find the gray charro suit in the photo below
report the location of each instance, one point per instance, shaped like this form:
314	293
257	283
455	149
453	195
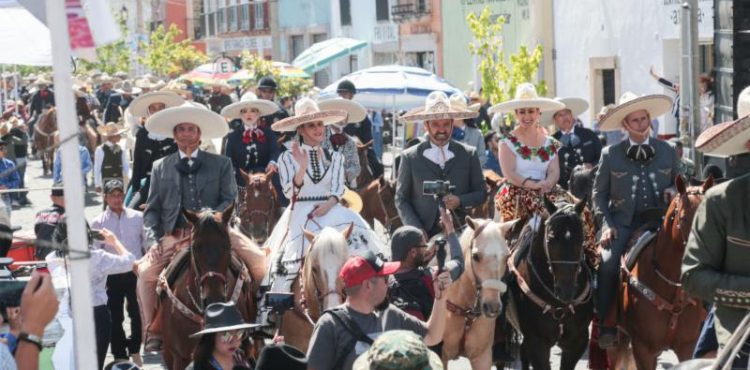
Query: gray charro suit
463	171
622	189
214	182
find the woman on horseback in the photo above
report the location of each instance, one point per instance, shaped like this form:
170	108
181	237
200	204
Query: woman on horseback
313	179
528	159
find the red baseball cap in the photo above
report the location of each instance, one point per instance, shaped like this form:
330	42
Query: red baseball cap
365	267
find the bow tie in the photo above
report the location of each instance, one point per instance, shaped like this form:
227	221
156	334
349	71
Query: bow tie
253	134
186	168
458	134
641	153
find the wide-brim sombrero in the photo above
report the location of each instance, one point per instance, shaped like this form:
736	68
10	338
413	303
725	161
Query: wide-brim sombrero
437	107
139	105
576	105
655	104
265	107
725	139
357	113
111	129
212	125
352	200
307	110
527	97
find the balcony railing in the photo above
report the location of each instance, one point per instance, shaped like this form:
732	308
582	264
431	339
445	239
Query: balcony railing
411	9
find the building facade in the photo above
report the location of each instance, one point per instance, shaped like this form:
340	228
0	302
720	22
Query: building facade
302	23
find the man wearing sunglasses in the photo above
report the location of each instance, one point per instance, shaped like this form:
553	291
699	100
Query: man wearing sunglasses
342	334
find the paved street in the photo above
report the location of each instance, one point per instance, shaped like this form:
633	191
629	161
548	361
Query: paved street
40	199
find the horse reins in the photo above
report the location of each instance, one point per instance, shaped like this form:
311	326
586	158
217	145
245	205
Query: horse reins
265	214
319	296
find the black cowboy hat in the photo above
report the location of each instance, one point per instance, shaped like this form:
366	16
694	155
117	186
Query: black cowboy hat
346	86
220	317
267	83
281	356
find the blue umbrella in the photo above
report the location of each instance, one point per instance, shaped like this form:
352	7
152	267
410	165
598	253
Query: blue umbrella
321	54
391	87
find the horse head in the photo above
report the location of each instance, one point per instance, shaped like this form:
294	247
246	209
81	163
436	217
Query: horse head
581	182
210	252
387	193
563	247
681	211
365	175
486	254
259	206
327	253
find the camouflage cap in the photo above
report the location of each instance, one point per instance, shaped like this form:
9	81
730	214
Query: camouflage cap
398	350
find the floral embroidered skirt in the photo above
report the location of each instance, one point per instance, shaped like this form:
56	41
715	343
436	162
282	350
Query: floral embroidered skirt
514	202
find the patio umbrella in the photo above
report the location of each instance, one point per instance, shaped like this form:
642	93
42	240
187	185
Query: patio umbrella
321	54
391	87
204	74
286	70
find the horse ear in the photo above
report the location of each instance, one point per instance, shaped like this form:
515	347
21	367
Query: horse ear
708	183
680	183
309	235
506	226
551	208
368	144
348	231
580	205
473	224
226	215
245	175
191	216
382	180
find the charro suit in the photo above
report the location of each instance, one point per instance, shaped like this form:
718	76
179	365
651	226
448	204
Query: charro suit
587	149
622	189
463	171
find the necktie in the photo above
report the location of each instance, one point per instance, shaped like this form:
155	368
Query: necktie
442	156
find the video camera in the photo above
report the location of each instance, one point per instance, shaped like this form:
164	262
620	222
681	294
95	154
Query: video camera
438	188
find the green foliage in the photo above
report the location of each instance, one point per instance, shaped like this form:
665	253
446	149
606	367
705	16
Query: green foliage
259	68
110	58
500	77
26	70
167	58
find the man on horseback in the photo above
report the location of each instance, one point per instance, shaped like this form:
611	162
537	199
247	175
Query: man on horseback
580	146
361	129
438	159
634	176
191	179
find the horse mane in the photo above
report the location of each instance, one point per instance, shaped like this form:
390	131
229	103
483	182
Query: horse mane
329	243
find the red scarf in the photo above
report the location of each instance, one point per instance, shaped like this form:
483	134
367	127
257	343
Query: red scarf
252	135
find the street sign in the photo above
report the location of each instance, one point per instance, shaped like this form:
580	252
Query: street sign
223	65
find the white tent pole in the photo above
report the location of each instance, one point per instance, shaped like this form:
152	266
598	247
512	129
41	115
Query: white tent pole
16	86
5	90
80	289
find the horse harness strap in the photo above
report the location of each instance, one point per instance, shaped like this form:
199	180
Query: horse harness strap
470	314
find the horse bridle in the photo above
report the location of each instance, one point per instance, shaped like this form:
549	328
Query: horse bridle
201	278
266	214
318	295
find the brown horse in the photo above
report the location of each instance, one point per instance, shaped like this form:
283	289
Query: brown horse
316	288
259	206
46	138
86	124
207	278
365	176
387	194
473	301
655	312
487	209
372	205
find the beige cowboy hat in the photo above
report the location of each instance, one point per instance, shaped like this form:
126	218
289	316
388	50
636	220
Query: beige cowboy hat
357	113
139	106
176	87
437	106
126	87
725	139
105	78
265	107
111	129
459	101
307	110
352	200
42	80
220	83
212	125
527	97
576	106
145	83
743	103
655	104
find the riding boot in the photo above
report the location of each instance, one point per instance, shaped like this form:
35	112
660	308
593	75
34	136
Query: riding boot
153	342
608	328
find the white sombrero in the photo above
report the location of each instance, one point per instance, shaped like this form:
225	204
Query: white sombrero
576	105
139	106
126	87
743	103
655	104
437	106
212	125
357	113
111	129
307	110
527	97
265	107
459	102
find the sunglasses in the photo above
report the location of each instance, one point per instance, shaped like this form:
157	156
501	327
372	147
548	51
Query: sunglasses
230	336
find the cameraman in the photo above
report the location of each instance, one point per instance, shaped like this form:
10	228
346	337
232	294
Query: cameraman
438	158
411	288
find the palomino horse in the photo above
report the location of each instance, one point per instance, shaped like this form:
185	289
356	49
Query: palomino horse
655	312
551	287
258	207
46	137
473	301
316	288
207	278
487	209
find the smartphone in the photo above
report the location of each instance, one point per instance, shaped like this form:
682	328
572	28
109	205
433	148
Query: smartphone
96	234
279	302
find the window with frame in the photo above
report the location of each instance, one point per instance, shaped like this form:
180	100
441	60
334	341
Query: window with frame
381	10
211	24
345	9
260	16
245	17
232	18
298	45
221	21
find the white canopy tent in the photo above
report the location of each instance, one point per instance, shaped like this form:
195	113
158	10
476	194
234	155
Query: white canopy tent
24	40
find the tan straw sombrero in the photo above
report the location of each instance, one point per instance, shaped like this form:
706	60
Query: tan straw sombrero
352	200
265	107
212	125
307	110
459	102
357	113
437	106
725	139
111	129
576	105
139	106
655	104
527	97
